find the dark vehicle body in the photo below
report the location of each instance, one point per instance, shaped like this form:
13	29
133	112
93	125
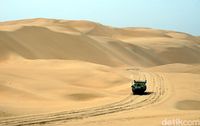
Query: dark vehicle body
139	87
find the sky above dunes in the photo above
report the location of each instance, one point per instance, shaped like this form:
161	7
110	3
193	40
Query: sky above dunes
178	15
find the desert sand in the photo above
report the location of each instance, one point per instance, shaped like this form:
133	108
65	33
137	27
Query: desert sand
72	73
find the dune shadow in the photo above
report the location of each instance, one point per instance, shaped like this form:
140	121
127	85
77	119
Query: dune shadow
188	105
83	96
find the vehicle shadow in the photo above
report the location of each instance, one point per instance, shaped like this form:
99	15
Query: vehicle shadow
145	93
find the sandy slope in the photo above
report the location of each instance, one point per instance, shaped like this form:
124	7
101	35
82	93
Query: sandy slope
79	72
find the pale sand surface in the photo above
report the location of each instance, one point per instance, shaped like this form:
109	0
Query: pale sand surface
72	73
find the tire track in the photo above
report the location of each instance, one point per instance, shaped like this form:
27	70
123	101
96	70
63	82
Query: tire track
128	103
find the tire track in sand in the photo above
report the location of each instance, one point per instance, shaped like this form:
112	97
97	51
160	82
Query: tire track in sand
156	82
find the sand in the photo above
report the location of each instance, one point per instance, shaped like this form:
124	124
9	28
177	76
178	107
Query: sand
65	72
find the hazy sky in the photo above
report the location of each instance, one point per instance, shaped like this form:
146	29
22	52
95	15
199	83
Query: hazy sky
179	15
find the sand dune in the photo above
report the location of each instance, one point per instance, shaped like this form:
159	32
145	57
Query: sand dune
38	42
177	68
41	43
65	72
